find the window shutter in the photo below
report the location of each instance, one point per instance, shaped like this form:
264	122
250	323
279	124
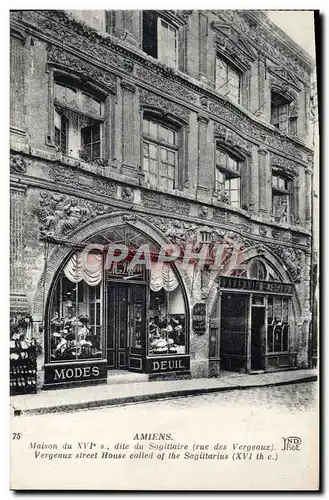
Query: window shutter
110	21
245	89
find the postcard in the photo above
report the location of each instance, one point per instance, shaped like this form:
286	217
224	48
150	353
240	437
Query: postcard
164	237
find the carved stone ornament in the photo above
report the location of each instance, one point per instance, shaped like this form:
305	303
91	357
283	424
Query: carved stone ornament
234	49
292	258
165	106
165	202
168	85
127	193
263	39
284	165
262	231
231	139
17	164
79	180
284	78
85	70
60	214
203	212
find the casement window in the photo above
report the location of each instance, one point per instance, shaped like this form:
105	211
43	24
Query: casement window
160	38
227	178
280	198
228	80
78	119
277	324
283	114
160	154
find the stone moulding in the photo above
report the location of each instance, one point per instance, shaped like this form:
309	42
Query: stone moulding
286	166
230	138
164	105
165	202
60	57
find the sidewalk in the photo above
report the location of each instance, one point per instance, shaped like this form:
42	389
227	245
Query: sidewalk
65	400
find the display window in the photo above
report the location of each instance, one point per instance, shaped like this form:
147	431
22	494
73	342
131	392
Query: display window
76	313
278	324
167	317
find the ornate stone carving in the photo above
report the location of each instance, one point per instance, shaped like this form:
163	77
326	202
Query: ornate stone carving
164	105
73	178
177	231
87	71
257	132
203	212
231	44
280	235
285	79
166	84
262	230
288	167
59	214
263	39
231	139
17	164
127	193
165	202
292	257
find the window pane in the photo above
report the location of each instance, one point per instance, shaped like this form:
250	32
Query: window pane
153	151
66	95
164	155
96	133
221	76
171	137
91	105
146	127
163	134
153	130
146	149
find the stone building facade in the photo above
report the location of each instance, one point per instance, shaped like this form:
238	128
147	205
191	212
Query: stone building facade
182	127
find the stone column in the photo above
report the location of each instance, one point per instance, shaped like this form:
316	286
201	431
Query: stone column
308	194
205	157
264	181
17	67
130	128
18	300
254	182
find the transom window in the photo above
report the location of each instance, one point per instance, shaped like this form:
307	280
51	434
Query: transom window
227	178
160	154
228	80
78	119
280	198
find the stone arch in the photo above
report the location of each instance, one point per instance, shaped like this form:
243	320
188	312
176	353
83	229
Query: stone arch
61	253
276	263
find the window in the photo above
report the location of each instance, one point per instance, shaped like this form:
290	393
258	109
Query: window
283	114
160	154
75	321
257	270
280	198
78	119
160	38
167	327
227	178
277	324
228	80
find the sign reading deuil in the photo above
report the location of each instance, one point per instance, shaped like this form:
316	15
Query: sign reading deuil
160	365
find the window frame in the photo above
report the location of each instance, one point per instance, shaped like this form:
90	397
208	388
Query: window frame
228	174
158	143
71	80
229	67
281	192
162	54
291	122
280	320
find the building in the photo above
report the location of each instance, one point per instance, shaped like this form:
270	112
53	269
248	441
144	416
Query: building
158	127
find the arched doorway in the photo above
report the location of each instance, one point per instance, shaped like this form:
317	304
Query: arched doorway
112	315
252	325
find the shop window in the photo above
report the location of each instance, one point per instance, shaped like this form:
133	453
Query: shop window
227	178
280	198
78	119
160	38
283	114
160	154
257	270
277	324
167	327
228	80
75	321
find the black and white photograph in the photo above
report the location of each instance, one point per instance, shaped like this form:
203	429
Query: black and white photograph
164	250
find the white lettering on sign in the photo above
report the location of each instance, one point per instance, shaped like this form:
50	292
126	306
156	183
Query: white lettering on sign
167	365
77	372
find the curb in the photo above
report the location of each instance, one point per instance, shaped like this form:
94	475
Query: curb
124	400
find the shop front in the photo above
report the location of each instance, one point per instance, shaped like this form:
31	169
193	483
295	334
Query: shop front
253	323
104	317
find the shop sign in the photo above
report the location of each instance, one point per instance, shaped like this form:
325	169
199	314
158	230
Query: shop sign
174	364
255	285
73	372
199	315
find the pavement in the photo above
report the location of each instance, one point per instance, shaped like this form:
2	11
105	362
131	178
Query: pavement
121	393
